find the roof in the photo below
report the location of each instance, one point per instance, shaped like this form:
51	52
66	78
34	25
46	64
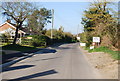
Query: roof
12	26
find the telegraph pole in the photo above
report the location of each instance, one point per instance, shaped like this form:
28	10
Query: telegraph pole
52	23
77	30
78	38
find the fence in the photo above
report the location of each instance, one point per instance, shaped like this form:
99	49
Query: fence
26	41
5	41
19	41
10	41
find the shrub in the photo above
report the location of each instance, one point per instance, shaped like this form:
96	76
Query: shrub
26	41
61	37
37	43
69	38
40	40
86	38
4	38
89	40
2	52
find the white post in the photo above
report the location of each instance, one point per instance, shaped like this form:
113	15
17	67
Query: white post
52	23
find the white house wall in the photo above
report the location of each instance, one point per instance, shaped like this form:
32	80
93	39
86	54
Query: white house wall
9	30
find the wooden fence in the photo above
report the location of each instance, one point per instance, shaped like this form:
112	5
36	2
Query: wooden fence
10	41
19	41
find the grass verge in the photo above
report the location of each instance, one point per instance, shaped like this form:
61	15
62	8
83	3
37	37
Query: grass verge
17	47
115	54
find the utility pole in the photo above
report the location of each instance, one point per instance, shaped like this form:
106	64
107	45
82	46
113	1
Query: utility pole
78	38
77	30
52	23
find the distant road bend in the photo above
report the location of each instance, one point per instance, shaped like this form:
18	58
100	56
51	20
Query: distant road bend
68	62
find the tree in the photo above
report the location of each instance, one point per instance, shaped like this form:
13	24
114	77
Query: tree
61	29
38	20
61	36
96	14
18	12
99	20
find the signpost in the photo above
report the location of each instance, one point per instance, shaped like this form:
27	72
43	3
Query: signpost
78	38
96	40
91	47
82	44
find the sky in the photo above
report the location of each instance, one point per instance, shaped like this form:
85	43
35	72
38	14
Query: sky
67	14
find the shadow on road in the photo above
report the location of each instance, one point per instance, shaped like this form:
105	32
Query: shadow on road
35	75
18	67
33	61
46	51
58	46
62	48
50	58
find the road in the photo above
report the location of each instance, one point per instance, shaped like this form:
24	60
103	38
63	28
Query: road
68	62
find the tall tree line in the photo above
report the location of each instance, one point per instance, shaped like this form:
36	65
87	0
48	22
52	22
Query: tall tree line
101	20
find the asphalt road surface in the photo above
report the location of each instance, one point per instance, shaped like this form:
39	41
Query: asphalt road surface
65	62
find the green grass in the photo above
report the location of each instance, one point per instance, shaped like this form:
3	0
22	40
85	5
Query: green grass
17	47
3	44
86	48
1	52
114	54
35	47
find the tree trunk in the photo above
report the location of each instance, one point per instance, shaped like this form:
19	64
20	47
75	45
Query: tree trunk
16	33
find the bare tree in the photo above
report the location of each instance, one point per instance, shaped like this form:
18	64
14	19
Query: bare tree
18	12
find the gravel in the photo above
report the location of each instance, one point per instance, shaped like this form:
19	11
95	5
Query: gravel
104	63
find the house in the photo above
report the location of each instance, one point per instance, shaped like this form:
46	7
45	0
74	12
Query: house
9	28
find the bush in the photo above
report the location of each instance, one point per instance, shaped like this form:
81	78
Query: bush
26	41
37	43
40	40
4	38
89	40
61	37
86	38
69	38
2	52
